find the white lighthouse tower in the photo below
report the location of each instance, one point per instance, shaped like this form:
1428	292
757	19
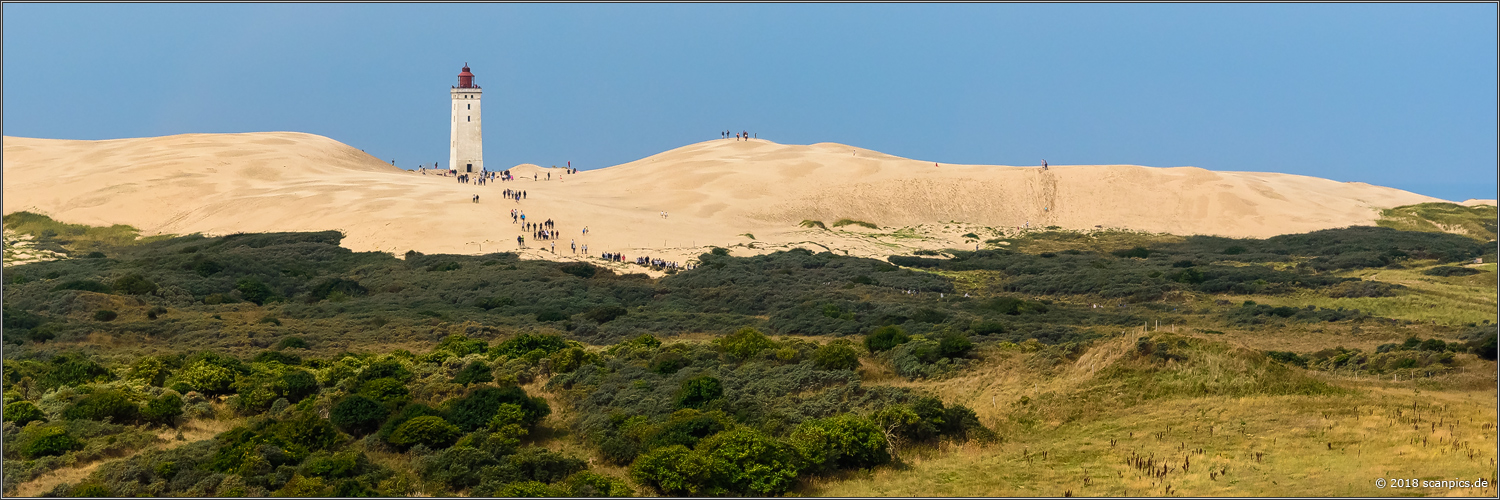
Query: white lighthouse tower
466	149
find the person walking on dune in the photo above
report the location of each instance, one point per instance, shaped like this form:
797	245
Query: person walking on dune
1044	164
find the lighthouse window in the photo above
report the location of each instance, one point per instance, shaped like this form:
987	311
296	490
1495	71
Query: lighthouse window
468	118
468	106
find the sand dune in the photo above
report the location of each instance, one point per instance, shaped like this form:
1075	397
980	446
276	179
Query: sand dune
719	192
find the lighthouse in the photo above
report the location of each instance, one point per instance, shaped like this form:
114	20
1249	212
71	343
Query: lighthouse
466	148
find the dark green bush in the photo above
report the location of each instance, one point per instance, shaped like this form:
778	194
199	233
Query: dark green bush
432	432
278	357
105	315
476	372
384	390
253	290
579	269
84	285
335	287
524	343
134	284
105	405
605	314
954	346
1447	271
699	391
836	355
23	412
163	410
755	463
840	442
292	343
475	410
358	415
885	338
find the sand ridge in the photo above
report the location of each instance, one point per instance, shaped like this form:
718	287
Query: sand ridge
719	192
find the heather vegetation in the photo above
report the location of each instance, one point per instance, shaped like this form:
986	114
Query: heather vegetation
285	365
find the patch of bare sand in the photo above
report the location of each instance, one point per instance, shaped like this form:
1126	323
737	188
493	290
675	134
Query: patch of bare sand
745	195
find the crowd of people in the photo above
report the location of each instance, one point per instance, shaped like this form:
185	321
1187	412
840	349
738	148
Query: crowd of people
660	263
741	136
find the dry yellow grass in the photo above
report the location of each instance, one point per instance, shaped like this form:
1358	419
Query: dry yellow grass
1265	445
192	431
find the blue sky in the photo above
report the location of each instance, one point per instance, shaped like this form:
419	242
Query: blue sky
1401	95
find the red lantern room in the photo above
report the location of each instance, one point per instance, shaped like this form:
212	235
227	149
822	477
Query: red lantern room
466	79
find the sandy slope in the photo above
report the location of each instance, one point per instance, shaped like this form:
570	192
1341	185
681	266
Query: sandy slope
714	193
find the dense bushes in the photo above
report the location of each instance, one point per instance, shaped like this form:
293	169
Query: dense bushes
886	338
21	413
1254	314
358	415
105	406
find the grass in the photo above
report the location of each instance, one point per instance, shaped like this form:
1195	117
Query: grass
1450	301
812	224
1062	434
1476	222
73	238
852	222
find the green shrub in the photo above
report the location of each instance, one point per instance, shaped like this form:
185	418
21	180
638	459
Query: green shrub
745	343
278	357
551	315
208	378
292	343
296	384
47	441
461	345
668	362
476	409
457	468
253	290
524	343
384	390
336	287
302	487
849	222
134	284
579	269
386	368
430	431
605	314
358	415
105	405
572	358
757	464
92	490
473	373
494	302
23	412
677	471
585	484
954	346
1448	271
73	369
836	355
699	391
163	410
885	338
84	285
1137	252
840	442
105	315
